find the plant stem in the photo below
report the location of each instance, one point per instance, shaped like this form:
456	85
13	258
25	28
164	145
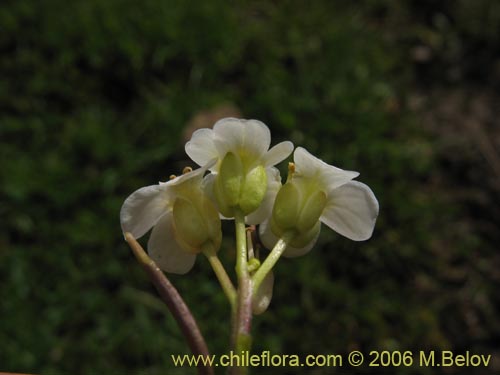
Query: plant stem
175	304
243	318
270	261
220	272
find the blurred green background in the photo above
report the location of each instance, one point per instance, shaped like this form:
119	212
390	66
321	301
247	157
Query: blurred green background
97	99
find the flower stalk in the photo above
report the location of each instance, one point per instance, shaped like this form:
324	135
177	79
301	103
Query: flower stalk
242	322
175	304
270	261
220	272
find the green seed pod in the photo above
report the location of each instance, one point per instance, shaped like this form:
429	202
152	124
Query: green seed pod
287	207
230	179
190	228
254	190
303	238
228	184
196	223
212	221
311	211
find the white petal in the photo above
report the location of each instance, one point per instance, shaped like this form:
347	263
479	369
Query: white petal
191	177
266	236
207	185
269	239
164	249
278	153
257	137
250	136
201	147
305	163
266	207
262	298
143	208
309	166
352	210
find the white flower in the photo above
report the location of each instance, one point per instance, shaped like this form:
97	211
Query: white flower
244	176
183	219
318	192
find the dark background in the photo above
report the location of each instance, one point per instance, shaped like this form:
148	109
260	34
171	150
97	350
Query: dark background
97	99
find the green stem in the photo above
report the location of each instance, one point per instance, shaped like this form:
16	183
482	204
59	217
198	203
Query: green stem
220	272
270	261
243	318
241	245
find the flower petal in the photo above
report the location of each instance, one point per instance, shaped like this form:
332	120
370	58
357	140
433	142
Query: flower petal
278	153
207	185
143	208
269	239
266	207
164	249
266	236
195	176
309	166
257	137
250	136
352	210
262	298
201	147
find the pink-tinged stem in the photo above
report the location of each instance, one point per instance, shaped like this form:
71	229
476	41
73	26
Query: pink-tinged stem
175	304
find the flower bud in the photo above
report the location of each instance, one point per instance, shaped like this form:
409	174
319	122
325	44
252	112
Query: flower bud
253	264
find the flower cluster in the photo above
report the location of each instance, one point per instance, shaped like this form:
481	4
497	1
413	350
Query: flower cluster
237	178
